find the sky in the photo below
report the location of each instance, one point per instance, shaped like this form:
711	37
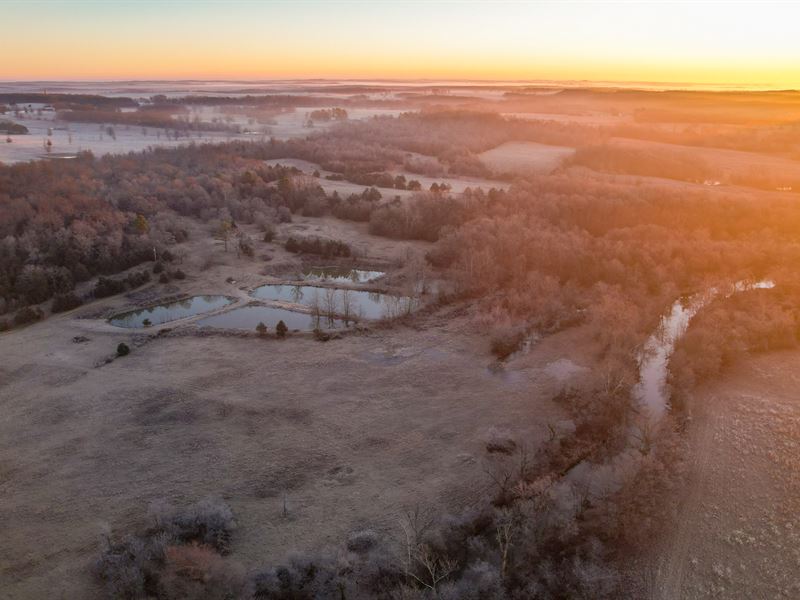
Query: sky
694	42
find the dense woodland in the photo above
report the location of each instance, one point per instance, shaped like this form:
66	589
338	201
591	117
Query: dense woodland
64	223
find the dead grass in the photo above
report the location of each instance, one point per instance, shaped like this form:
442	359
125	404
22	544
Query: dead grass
525	157
738	534
347	434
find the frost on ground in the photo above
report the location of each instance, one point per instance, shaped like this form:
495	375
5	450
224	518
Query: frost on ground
738	534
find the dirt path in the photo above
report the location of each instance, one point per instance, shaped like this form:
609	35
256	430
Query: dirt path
672	565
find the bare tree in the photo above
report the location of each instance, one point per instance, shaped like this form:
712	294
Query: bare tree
421	564
223	233
348	305
505	529
316	310
581	495
330	304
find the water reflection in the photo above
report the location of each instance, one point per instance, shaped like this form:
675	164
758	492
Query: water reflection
170	311
349	304
651	391
341	274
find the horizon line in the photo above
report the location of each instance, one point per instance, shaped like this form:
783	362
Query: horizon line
761	86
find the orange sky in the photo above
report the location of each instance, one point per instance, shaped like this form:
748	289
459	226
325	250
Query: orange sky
747	43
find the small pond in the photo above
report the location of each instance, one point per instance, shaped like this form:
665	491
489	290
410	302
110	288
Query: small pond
357	303
170	311
248	317
341	274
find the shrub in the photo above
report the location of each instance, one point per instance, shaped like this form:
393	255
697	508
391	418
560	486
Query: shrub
281	329
506	342
197	572
179	274
158	268
321	336
177	558
125	568
209	522
261	329
108	287
27	315
362	541
500	442
315	245
123	349
284	215
303	578
64	302
164	278
134	280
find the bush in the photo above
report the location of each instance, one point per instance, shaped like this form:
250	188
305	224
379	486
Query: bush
164	278
321	336
362	541
158	268
315	245
134	280
123	349
281	329
500	442
179	274
27	315
64	302
505	343
197	572
209	522
246	248
108	287
125	567
261	329
177	558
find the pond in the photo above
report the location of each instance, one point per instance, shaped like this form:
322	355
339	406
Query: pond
341	274
361	304
248	317
170	311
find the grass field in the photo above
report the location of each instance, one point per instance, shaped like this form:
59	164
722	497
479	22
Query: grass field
525	157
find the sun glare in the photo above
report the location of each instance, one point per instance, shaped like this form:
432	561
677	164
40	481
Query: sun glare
703	42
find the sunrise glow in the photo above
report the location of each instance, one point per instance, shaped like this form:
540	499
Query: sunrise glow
755	44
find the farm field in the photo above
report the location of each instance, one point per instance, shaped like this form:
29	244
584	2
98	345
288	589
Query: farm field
344	188
725	164
525	157
68	139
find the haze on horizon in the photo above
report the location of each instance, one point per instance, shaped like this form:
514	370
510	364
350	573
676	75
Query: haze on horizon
706	42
